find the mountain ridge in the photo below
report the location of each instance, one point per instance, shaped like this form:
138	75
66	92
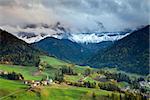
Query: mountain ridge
63	49
130	53
16	51
33	33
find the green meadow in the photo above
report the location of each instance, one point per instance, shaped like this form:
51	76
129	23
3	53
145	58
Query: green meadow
16	90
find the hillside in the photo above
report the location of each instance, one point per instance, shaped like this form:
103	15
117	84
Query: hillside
63	49
16	51
130	54
95	47
77	86
54	92
67	50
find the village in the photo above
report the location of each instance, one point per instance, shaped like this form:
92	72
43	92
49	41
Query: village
36	83
31	83
47	81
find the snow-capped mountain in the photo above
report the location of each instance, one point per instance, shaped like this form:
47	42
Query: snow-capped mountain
96	38
33	33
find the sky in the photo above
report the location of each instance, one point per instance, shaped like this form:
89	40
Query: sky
78	15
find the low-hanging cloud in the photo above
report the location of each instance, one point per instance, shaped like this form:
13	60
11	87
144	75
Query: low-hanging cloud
81	15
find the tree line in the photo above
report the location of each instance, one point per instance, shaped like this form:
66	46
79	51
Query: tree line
12	76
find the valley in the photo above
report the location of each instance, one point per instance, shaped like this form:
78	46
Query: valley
74	50
68	87
54	69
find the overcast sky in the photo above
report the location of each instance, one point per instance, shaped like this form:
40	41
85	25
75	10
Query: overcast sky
76	14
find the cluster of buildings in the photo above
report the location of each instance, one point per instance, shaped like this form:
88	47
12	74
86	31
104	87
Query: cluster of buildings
35	83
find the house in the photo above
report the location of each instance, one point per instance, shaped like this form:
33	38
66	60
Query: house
49	81
28	82
25	82
37	82
44	82
34	83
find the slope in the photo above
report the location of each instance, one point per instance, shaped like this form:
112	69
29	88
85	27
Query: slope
130	53
16	51
63	49
67	50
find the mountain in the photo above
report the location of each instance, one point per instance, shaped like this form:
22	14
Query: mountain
31	33
130	54
95	47
68	50
63	49
97	37
16	51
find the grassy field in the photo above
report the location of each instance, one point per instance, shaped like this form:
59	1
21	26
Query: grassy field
26	71
63	92
55	63
73	78
123	84
9	86
15	90
54	92
19	91
81	69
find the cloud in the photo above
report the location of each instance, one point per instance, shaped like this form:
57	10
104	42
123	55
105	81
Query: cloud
38	33
17	14
79	15
31	35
